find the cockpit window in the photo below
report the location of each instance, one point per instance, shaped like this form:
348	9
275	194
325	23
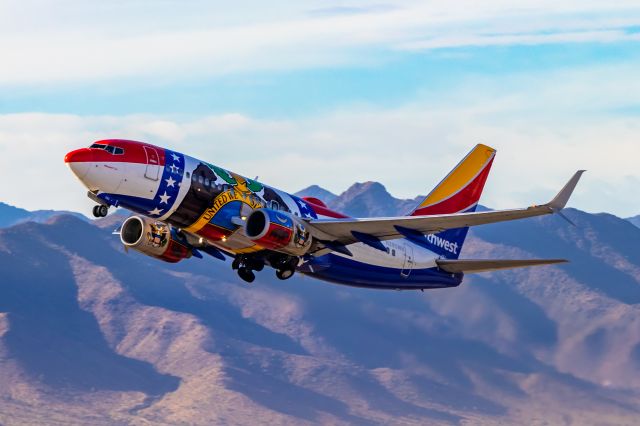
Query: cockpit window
114	150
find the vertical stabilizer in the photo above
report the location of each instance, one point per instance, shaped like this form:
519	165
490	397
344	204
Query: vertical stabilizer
458	192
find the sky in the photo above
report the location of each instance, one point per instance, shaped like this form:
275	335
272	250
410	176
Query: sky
329	92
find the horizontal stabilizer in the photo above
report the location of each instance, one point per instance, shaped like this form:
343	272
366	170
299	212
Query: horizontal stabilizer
472	266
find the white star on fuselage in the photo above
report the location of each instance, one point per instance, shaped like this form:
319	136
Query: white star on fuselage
175	157
164	198
170	181
155	211
174	169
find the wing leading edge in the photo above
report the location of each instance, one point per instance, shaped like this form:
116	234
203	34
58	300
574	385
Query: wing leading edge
348	231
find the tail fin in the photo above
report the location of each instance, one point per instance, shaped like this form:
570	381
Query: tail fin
458	192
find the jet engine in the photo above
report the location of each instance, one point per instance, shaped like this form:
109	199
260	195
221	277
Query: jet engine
278	231
153	238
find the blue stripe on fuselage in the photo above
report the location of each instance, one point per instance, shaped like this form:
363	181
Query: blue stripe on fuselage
166	195
341	270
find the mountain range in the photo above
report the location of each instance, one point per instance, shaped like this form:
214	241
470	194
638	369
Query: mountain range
635	220
10	215
92	335
362	200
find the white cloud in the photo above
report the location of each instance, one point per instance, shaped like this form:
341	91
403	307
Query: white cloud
541	135
521	39
546	125
71	41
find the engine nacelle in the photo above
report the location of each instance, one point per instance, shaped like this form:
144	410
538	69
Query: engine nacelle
278	231
153	238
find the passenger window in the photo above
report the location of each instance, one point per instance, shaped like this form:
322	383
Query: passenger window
393	252
188	175
206	181
201	179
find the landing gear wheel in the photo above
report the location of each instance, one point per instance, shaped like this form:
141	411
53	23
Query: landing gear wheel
235	265
100	210
246	274
257	266
284	274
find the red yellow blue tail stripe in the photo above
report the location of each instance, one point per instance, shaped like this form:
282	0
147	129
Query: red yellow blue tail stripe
461	189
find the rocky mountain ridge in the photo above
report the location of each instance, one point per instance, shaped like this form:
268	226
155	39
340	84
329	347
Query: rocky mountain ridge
362	199
92	335
10	215
635	220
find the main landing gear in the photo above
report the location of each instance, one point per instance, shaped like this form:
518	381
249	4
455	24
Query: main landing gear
246	265
246	274
100	210
284	274
285	268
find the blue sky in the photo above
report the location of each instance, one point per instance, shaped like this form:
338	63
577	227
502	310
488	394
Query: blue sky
330	92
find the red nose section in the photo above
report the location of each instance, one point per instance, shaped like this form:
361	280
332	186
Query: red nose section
82	155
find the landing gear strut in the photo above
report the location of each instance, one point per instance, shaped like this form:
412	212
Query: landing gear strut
100	210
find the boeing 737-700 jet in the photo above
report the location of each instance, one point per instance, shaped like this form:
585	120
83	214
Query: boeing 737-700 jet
184	207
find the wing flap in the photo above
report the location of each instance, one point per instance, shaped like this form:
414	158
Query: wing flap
470	266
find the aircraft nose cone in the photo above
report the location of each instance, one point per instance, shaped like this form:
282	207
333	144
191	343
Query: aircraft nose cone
79	161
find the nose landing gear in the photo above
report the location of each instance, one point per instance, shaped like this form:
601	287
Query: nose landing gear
100	210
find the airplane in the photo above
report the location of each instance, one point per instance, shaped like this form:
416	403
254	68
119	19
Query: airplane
184	207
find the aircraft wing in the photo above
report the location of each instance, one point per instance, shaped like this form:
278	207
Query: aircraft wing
339	232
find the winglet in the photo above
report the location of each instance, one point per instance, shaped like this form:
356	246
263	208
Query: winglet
560	200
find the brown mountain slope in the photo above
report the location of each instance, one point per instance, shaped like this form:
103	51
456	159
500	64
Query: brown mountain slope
90	335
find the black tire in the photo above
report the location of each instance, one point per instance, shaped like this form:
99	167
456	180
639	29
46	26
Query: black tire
246	274
96	213
235	265
103	210
257	265
284	274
